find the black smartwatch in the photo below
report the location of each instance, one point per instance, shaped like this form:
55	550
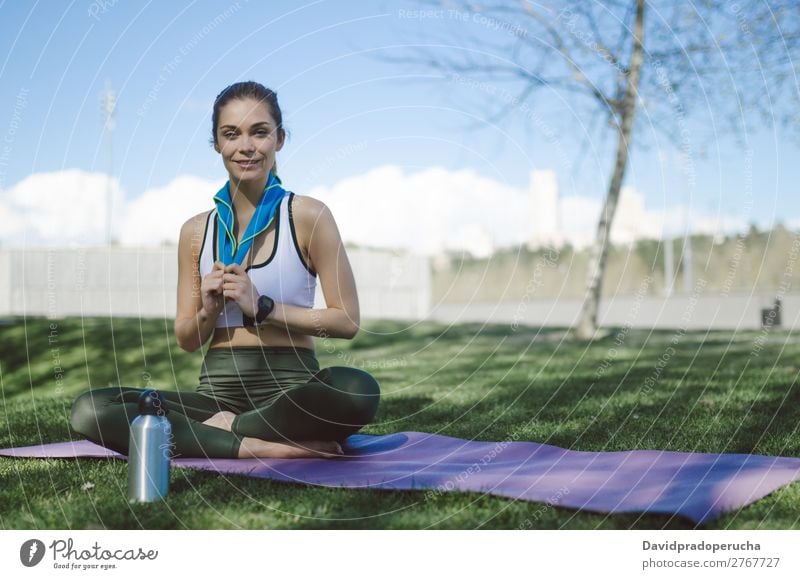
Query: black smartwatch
265	306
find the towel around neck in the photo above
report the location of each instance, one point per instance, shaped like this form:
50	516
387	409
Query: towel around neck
228	249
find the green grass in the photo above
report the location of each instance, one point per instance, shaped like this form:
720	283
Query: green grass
719	392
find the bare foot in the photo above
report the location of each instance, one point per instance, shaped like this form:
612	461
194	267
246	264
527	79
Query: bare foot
257	448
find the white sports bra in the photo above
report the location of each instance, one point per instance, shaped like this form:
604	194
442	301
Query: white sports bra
284	276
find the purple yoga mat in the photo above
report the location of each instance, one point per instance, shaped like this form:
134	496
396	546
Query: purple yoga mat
699	486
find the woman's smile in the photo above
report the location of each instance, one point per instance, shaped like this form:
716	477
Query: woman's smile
248	164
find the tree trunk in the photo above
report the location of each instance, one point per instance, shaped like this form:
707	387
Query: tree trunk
587	325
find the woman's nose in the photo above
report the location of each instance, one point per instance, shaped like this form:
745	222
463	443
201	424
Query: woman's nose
247	144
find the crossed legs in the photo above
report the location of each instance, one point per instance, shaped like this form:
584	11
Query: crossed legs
335	403
303	420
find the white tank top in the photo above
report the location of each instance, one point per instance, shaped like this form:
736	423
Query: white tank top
283	276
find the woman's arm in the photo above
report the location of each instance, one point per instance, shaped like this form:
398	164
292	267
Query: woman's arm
342	317
193	324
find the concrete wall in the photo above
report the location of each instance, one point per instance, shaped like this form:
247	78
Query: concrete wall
692	313
142	282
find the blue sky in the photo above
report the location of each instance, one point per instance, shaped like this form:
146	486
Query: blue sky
347	111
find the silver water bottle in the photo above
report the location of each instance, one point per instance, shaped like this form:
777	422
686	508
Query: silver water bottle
149	449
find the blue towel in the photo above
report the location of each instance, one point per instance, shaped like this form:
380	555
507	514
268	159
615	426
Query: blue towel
227	249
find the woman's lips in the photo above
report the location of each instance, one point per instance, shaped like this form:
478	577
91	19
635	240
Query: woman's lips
247	164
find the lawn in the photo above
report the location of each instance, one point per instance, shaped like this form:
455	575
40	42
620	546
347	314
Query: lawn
715	391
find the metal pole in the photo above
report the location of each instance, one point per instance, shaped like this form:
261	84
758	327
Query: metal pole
109	102
688	274
669	267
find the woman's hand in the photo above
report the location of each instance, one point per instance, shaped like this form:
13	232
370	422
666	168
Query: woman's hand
211	290
237	286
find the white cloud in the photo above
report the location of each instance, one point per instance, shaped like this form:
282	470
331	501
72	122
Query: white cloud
425	212
157	214
579	221
58	208
632	220
70	208
675	223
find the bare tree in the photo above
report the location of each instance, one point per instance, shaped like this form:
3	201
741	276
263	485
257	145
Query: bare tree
665	58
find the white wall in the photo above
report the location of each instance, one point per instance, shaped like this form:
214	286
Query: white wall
142	282
734	312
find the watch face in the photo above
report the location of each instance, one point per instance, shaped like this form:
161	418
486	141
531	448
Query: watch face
265	305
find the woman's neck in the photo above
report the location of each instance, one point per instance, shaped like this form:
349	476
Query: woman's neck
245	195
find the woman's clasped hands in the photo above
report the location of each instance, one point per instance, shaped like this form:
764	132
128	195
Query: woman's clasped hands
228	282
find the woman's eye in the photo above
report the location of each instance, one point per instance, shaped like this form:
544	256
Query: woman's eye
231	134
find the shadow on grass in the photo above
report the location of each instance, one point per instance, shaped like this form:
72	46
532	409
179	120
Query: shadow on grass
711	396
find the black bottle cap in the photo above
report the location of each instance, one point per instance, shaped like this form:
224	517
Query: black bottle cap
151	402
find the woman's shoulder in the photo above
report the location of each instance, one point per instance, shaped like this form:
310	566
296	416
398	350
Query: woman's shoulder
306	209
308	215
193	228
201	217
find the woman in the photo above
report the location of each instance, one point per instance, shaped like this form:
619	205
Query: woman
261	392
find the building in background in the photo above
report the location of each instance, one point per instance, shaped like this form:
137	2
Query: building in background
544	210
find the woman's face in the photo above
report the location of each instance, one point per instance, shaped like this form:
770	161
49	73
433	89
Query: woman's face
247	139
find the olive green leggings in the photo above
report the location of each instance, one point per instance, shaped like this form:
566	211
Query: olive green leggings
278	393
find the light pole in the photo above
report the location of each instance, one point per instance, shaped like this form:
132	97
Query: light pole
108	106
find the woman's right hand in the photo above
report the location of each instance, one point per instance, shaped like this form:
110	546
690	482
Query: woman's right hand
211	290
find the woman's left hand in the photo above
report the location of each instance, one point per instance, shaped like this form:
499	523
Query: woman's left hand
237	286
